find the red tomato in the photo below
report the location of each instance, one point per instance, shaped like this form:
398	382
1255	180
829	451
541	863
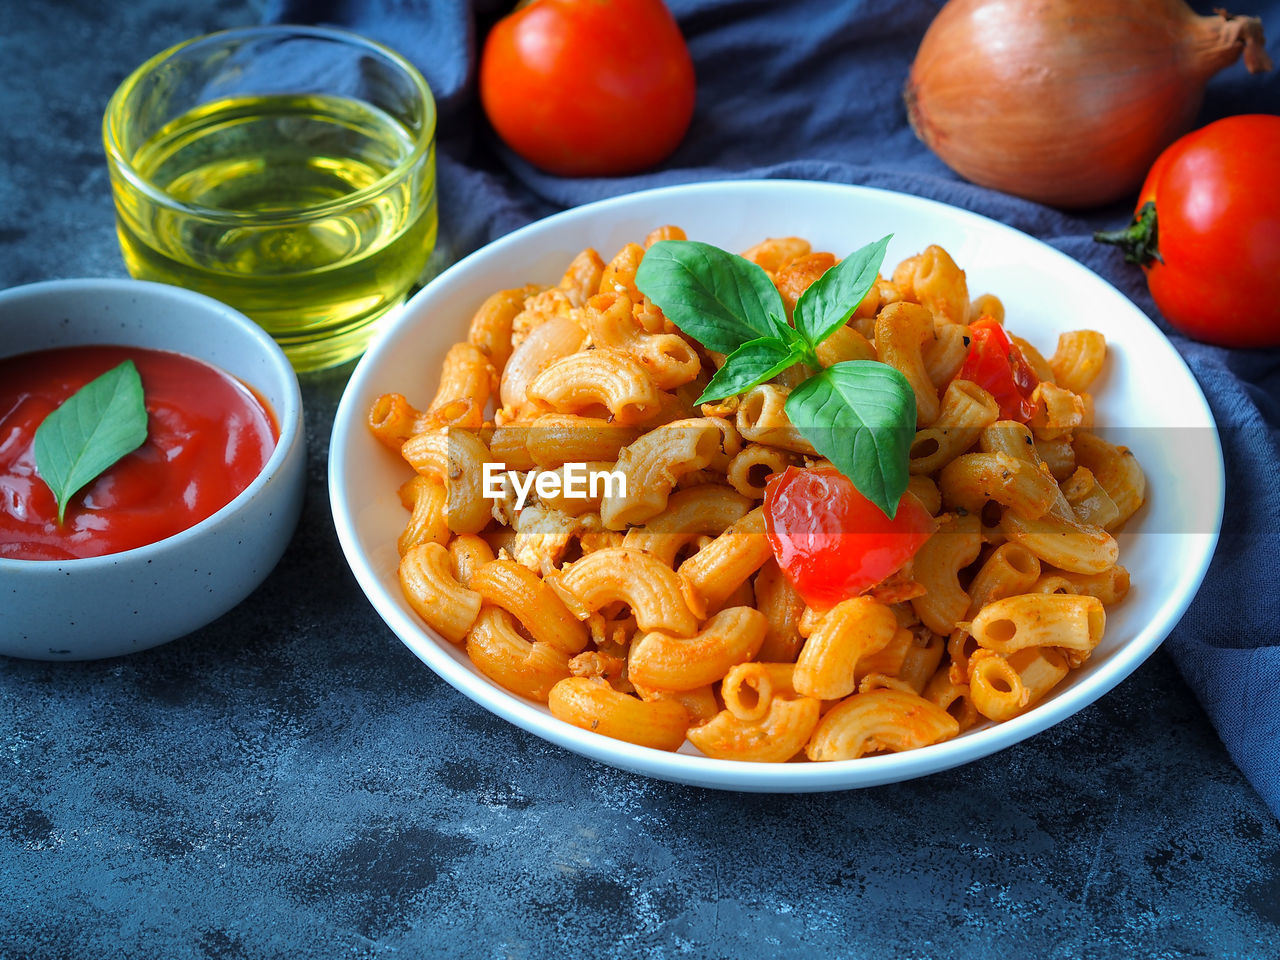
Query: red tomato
997	365
831	541
1211	251
588	87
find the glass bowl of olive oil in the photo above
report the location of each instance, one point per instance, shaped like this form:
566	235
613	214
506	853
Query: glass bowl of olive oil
286	171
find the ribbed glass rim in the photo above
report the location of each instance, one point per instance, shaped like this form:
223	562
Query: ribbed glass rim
116	156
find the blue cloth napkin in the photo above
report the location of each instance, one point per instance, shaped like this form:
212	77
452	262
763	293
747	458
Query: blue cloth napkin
811	89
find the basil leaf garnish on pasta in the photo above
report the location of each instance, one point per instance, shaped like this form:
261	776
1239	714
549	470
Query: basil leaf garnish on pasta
754	362
860	415
91	430
718	298
830	300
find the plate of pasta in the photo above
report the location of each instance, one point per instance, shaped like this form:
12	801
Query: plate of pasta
776	485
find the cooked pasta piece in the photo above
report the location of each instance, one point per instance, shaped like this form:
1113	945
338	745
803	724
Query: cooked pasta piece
731	637
851	630
431	586
528	668
774	738
650	588
594	705
902	329
892	720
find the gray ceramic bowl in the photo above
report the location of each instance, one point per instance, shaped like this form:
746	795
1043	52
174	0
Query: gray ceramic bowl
123	602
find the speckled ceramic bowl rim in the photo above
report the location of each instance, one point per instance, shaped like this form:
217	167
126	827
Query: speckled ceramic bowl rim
288	419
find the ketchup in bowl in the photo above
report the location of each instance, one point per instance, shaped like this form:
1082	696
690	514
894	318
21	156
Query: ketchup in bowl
208	436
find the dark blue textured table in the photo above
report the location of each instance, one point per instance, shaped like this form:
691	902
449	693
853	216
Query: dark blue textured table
291	782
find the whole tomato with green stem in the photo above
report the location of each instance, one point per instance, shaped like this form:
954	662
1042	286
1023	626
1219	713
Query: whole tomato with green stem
588	87
1207	232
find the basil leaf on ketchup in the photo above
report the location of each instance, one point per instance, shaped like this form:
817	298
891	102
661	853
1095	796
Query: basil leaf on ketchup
104	420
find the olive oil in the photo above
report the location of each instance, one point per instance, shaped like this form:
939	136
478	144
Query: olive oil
311	214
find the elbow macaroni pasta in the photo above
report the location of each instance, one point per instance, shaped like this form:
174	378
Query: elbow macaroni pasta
657	614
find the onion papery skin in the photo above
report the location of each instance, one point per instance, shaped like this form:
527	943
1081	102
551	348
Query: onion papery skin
1067	102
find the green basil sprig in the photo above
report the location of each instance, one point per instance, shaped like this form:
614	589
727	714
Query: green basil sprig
860	414
104	420
720	299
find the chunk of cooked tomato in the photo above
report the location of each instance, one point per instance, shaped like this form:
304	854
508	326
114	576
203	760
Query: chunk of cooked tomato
831	541
995	363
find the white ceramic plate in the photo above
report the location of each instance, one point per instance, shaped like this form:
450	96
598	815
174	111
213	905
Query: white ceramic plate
1146	394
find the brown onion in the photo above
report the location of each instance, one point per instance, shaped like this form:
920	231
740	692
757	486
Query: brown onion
1067	102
